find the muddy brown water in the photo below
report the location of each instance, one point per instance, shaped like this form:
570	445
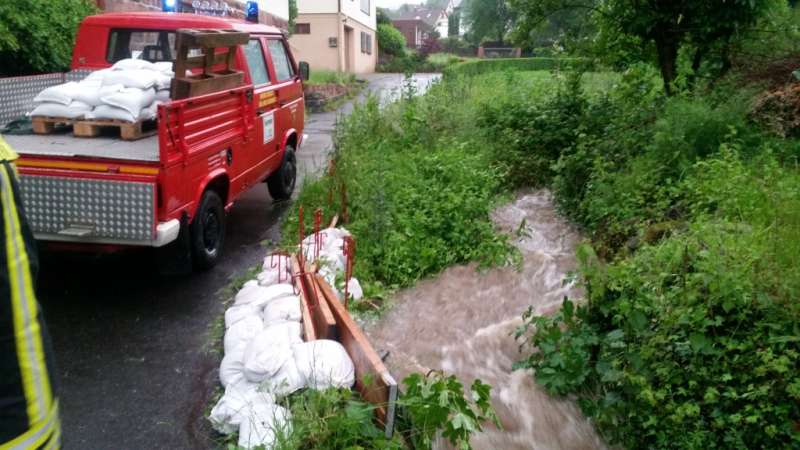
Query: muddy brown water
462	322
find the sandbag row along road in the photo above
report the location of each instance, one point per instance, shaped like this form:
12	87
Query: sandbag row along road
129	343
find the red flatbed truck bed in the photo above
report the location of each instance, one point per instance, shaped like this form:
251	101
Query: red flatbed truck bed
170	190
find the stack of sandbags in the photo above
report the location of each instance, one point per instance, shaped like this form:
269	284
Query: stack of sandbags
266	358
130	90
331	259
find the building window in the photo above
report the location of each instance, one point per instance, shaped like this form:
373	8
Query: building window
365	6
332	42
302	28
366	43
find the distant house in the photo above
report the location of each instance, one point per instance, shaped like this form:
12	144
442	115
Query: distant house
336	35
417	22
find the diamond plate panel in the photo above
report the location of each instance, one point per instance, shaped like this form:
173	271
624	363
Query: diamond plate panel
119	210
17	93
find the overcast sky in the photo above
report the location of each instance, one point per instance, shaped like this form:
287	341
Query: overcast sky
395	3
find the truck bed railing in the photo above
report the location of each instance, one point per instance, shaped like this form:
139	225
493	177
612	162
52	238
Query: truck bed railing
210	121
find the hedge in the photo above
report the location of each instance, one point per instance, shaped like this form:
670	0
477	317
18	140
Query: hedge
480	66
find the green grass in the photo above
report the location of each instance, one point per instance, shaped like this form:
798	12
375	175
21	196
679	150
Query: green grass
321	76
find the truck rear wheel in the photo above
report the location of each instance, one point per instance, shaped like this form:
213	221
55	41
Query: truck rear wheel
281	183
208	231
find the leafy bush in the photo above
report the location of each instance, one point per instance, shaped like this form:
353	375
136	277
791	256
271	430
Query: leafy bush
391	41
418	198
479	66
37	37
688	338
457	46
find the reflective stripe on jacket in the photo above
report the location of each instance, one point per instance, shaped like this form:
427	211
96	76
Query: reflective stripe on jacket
29	416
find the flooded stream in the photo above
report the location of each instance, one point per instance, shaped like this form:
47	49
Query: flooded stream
462	322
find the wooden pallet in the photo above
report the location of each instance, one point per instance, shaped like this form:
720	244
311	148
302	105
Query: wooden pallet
128	131
218	48
47	125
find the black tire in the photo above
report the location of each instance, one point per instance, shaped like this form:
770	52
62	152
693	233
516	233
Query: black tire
281	183
208	231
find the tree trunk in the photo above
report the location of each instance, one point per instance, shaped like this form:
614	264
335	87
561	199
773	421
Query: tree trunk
667	48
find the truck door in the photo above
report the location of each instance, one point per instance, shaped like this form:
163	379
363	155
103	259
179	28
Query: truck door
289	87
262	155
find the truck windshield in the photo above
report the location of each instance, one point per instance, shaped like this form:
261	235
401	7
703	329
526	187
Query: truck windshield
150	45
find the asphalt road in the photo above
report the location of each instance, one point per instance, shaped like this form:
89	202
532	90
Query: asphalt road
129	343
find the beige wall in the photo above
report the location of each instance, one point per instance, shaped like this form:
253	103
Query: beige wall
314	47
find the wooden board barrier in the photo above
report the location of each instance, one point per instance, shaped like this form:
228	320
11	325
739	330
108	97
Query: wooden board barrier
382	390
321	319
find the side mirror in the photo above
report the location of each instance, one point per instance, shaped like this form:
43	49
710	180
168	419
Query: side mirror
304	70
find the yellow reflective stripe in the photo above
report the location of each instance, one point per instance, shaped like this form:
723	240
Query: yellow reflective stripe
6	152
38	434
55	439
36	384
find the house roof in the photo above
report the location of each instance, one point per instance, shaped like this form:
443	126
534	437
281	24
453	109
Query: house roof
428	15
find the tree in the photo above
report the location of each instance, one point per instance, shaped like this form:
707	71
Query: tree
292	14
487	19
668	25
37	36
391	41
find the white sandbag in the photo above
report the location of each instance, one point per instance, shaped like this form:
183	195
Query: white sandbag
62	93
133	64
163	81
242	332
286	381
91	92
258	296
269	350
162	95
324	364
263	427
150	112
131	99
75	110
250	283
354	289
140	78
231	369
238	312
96	75
112	113
275	261
164	67
241	400
284	309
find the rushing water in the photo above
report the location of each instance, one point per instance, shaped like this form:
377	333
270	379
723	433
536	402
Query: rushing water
462	322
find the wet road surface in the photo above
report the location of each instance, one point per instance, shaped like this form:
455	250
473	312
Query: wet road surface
129	343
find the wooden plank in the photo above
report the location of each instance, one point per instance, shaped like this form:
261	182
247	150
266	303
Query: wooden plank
321	316
128	131
308	323
194	62
382	391
205	84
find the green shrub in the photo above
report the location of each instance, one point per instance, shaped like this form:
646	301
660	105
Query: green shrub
418	196
391	41
37	37
480	66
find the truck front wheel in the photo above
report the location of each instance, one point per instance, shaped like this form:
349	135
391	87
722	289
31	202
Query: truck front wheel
208	231
281	183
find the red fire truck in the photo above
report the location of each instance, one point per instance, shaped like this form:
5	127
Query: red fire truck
170	190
